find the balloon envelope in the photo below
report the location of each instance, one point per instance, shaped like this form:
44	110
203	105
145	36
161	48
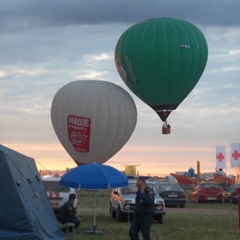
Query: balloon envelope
93	119
161	60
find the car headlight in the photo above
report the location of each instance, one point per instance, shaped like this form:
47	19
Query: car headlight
127	207
159	207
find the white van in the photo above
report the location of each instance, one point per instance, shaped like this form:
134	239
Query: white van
57	194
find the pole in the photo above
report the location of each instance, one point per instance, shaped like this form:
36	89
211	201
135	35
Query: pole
238	191
94	212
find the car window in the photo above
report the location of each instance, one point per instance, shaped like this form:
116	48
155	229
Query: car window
159	185
132	188
170	187
152	186
210	186
52	186
164	188
129	190
195	188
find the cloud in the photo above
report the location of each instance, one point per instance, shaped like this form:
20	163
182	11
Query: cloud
16	16
47	44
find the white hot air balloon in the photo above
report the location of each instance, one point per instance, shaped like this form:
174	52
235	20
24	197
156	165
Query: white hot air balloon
93	119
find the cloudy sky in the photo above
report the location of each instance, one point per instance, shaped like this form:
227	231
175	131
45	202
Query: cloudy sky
47	44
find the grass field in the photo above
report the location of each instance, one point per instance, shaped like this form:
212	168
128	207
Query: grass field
206	221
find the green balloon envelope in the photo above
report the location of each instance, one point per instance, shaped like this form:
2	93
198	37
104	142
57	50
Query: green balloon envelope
161	61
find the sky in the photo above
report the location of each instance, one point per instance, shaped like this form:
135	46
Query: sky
47	44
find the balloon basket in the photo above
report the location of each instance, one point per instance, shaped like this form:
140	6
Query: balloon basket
166	129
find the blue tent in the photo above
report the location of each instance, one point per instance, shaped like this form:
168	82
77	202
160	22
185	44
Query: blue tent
25	211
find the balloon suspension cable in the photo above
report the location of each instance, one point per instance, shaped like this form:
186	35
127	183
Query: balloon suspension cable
166	124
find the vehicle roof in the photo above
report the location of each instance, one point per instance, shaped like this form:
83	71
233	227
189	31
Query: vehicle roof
51	179
167	183
209	183
169	187
135	180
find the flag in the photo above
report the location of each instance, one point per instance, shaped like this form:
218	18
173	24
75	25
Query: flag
235	154
220	157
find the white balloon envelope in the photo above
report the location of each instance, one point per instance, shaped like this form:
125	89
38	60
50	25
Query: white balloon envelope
93	119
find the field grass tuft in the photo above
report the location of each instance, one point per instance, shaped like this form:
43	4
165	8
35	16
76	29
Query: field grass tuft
205	221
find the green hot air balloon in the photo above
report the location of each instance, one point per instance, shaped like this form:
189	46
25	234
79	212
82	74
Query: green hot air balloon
161	60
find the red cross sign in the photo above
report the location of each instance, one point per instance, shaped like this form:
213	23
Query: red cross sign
236	155
220	157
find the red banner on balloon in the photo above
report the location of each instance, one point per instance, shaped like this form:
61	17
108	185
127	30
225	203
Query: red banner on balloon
79	132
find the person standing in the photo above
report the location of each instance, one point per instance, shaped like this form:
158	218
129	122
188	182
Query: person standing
67	212
144	210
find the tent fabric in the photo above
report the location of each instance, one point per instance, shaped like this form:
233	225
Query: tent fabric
25	210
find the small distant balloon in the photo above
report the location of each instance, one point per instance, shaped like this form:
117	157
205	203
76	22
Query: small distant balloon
93	119
161	60
191	171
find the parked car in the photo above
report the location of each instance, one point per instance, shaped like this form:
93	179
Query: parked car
207	192
173	194
57	194
231	195
122	202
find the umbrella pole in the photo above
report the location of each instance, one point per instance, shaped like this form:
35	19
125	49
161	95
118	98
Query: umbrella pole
94	212
94	231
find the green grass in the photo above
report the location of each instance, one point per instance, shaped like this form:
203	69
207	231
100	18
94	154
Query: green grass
208	221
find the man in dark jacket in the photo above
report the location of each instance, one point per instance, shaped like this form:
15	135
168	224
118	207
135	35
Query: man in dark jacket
144	209
67	212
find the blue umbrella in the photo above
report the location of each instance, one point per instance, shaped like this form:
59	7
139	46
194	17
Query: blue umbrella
94	177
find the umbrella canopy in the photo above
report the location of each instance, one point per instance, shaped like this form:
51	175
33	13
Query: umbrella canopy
94	177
